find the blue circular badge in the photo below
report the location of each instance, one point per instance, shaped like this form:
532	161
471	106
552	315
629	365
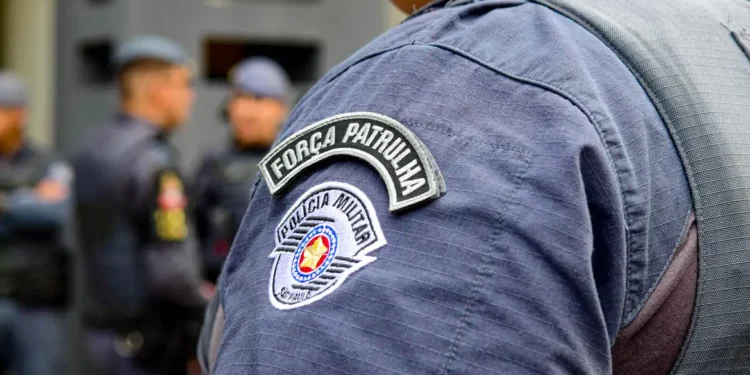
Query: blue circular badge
314	253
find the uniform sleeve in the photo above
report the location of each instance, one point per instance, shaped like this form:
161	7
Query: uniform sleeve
518	269
27	210
160	206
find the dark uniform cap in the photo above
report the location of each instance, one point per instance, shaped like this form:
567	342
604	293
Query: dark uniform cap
150	47
260	76
12	90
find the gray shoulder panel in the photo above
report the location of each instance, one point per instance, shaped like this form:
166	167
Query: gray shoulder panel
685	56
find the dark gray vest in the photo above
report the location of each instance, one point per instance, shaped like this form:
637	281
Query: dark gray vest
236	173
27	173
33	262
110	242
692	58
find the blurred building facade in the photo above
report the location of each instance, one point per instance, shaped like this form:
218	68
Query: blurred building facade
63	49
307	37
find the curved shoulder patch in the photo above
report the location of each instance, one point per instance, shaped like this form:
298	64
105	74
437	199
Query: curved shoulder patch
403	161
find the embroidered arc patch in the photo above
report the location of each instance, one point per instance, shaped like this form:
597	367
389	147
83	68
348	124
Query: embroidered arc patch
324	238
405	164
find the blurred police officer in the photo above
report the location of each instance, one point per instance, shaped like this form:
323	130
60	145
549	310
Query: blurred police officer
142	276
506	187
255	110
34	207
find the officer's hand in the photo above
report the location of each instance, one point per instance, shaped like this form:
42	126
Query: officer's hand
207	290
51	191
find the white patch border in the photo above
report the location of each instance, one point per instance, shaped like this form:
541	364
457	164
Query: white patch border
375	223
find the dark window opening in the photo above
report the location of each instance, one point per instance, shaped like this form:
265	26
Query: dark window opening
299	59
95	58
245	2
97	2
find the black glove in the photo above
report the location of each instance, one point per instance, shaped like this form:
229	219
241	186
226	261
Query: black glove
166	339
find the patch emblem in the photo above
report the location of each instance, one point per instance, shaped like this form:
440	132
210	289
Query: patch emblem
405	164
171	192
169	217
324	238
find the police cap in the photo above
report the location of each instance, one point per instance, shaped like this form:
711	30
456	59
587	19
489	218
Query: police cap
12	90
260	76
154	47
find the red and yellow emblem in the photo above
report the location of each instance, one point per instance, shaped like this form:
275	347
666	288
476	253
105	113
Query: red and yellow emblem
315	254
171	192
170	219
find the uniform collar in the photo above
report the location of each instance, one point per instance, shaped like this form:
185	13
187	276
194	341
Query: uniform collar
439	4
125	119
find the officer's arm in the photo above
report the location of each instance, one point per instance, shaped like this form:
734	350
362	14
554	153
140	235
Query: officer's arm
213	325
204	194
170	259
44	207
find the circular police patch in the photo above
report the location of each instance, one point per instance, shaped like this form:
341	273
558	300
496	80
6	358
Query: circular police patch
324	238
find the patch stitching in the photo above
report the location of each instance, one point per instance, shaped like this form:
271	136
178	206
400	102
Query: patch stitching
339	146
743	41
330	210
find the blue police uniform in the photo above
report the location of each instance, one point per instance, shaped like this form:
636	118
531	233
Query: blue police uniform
538	219
221	187
226	174
142	291
34	253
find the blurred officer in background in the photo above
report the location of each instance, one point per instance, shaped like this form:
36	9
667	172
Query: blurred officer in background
506	187
34	208
143	279
255	111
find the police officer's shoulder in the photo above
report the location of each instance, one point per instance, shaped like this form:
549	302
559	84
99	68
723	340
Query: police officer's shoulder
157	156
498	120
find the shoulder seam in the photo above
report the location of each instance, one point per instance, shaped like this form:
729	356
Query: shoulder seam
365	58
